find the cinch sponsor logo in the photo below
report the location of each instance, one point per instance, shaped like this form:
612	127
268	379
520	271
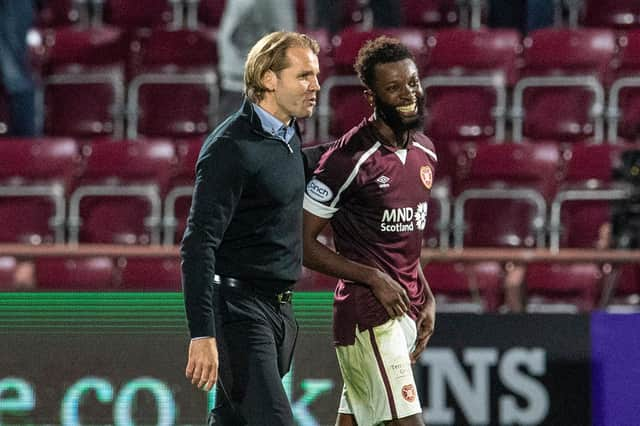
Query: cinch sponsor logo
319	191
404	219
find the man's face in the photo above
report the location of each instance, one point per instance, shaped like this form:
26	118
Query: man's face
295	88
398	96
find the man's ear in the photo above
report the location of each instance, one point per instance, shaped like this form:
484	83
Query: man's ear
269	80
368	94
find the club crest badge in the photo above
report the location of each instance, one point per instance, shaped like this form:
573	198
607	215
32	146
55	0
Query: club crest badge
409	393
426	176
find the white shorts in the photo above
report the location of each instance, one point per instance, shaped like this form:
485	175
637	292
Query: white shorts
378	378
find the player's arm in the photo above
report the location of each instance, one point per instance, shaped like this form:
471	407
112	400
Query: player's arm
320	258
426	321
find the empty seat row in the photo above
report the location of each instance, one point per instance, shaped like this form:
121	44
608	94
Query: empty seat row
457	286
524	195
549	287
105	191
164	83
477	83
509	195
99	273
193	13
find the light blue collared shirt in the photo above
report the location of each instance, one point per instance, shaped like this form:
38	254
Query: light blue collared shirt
273	126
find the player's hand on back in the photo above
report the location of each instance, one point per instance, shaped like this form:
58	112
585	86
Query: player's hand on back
391	294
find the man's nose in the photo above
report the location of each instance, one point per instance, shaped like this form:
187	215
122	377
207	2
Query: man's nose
315	84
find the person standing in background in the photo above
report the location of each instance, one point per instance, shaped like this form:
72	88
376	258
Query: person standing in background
16	17
243	23
242	249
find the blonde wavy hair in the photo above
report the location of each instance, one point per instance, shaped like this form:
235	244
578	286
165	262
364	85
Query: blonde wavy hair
270	53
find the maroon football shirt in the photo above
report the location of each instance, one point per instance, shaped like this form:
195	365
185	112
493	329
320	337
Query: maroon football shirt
377	199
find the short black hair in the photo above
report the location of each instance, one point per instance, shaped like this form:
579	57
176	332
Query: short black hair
380	50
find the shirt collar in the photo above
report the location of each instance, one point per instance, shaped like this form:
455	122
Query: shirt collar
273	126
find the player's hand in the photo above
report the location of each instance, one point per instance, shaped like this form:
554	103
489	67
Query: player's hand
202	366
426	324
392	295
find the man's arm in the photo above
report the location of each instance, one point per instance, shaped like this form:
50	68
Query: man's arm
218	187
427	319
320	258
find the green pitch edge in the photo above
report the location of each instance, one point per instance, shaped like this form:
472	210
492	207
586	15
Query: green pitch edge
144	313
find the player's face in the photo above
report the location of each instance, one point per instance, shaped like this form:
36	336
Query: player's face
295	88
398	95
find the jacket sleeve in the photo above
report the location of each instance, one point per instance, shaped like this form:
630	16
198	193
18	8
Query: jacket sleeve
220	177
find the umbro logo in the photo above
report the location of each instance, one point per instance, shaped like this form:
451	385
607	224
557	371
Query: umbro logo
383	181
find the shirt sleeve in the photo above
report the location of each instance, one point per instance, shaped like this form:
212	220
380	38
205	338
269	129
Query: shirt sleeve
220	178
334	176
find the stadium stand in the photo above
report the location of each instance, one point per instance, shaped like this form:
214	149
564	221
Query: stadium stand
149	274
501	194
563	71
84	87
35	175
616	14
465	287
467	76
173	89
117	197
146	71
77	274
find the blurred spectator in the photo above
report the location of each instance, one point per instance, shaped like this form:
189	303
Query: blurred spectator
16	17
371	13
539	14
524	15
243	23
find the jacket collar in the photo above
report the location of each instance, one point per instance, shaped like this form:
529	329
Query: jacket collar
248	113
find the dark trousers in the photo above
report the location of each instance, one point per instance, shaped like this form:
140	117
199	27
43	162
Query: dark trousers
256	337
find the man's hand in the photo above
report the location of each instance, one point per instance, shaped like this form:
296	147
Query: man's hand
202	366
391	294
425	324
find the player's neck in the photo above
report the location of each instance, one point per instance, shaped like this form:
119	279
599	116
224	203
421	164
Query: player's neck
389	137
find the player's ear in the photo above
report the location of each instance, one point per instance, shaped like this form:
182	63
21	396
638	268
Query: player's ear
368	94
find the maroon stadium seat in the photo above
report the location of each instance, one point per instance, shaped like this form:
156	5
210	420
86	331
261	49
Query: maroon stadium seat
55	13
140	13
84	82
34	178
436	233
210	12
117	199
624	288
583	203
155	274
178	199
8	266
465	287
430	13
501	192
342	104
563	72
69	273
466	82
617	14
173	91
553	287
623	112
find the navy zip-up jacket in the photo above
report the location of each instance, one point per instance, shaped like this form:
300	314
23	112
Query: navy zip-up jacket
246	215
